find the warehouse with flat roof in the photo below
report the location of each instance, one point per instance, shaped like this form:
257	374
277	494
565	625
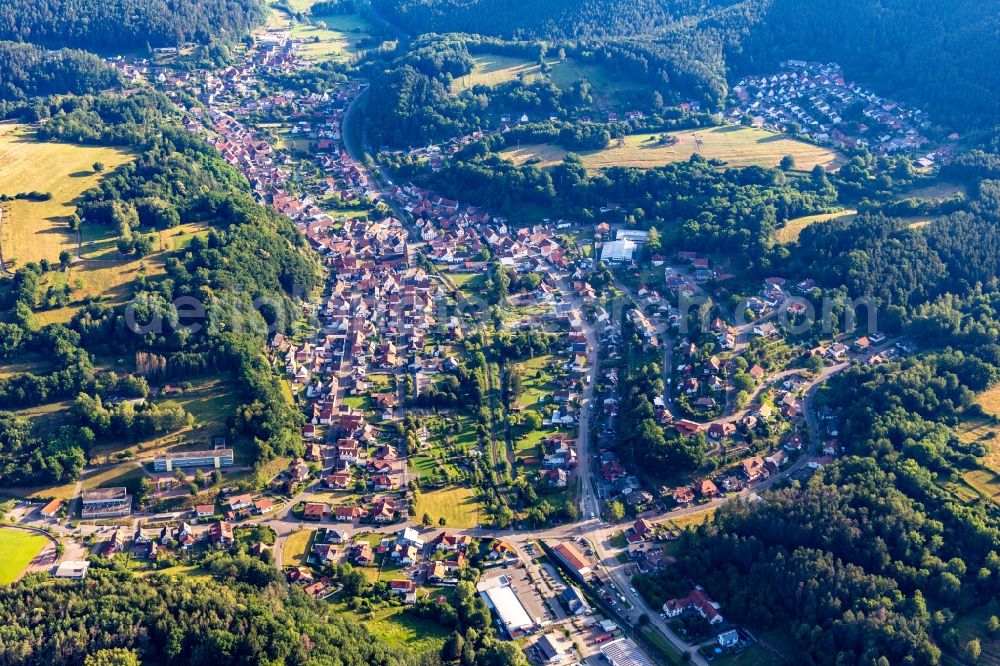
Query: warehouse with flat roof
624	652
214	458
106	503
503	602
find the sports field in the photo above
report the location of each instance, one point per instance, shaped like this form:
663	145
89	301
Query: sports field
17	549
733	144
35	230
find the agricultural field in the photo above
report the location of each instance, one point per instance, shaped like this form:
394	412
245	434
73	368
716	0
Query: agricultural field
608	89
458	506
36	230
790	232
733	144
332	37
17	549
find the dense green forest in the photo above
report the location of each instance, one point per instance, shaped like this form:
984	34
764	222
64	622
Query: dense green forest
171	621
243	614
29	71
125	24
937	54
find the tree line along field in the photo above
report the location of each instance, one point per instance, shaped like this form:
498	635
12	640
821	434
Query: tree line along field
735	145
36	230
491	70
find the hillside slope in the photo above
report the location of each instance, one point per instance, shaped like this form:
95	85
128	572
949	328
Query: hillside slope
125	24
934	53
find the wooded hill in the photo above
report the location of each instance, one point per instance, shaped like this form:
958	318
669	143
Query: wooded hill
125	24
29	71
934	53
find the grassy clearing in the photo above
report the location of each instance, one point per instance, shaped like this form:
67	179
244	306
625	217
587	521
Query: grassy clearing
693	519
984	481
210	400
921	221
189	571
608	89
35	230
973	625
492	70
106	274
990	400
47	419
296	547
126	474
939	190
790	232
458	506
530	446
25	363
337	40
733	144
17	549
401	630
536	380
278	19
543	155
983	431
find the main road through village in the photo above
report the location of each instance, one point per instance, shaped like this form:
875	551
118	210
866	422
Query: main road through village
590	525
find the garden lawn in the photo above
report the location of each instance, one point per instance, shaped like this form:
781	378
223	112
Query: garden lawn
296	547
